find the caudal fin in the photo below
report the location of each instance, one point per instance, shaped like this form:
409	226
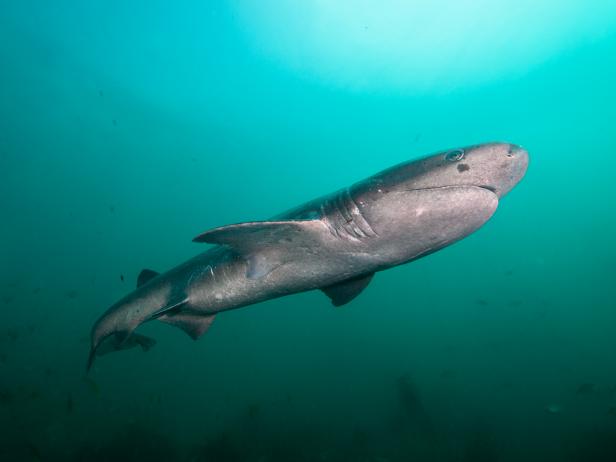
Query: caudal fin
91	357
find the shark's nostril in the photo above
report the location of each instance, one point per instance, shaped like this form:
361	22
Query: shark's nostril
513	149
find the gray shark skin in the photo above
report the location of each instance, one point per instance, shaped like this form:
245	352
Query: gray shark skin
335	243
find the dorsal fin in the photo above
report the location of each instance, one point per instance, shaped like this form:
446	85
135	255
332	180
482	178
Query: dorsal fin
343	292
145	276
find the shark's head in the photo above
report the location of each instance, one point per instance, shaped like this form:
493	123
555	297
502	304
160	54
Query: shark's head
439	199
497	167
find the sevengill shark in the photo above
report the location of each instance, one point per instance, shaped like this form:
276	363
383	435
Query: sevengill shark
334	243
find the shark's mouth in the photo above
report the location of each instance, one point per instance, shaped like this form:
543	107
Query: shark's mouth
489	188
492	189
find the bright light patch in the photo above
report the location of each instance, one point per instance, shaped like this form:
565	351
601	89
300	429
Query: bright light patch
419	44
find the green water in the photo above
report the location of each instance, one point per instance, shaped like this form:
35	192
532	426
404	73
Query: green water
127	128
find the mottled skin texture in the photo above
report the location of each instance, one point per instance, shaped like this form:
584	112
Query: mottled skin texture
391	218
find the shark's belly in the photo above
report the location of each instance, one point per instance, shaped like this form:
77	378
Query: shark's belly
227	284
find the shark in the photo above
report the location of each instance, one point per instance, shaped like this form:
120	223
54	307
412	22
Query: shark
335	243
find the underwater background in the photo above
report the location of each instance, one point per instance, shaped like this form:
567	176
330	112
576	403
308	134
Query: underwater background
127	128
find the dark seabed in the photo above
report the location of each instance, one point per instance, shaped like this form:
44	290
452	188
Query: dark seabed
127	128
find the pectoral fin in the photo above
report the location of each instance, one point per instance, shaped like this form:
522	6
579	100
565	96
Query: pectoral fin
251	236
267	245
193	324
343	292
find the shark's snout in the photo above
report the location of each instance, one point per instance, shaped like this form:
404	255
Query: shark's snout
497	167
515	150
516	166
519	159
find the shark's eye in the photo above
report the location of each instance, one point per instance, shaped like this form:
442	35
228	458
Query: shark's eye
455	155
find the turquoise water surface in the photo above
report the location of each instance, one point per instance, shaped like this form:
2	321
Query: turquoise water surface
127	128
